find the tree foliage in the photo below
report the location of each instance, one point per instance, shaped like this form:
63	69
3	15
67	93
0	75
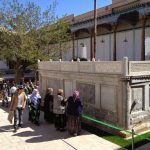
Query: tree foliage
27	34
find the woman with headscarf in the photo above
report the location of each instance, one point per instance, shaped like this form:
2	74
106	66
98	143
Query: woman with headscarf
59	111
48	105
74	110
34	110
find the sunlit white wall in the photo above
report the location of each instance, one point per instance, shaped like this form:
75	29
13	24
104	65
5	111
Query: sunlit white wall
147	44
79	47
128	44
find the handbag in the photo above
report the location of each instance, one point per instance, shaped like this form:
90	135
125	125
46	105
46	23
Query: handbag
10	116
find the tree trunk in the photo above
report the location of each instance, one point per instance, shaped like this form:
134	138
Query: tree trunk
19	78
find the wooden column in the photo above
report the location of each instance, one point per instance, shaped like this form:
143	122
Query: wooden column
91	46
95	30
143	20
73	45
91	43
114	28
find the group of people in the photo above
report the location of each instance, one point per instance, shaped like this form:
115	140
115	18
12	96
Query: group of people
19	98
7	89
64	112
4	92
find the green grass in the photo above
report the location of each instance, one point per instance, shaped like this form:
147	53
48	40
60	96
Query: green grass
126	143
138	141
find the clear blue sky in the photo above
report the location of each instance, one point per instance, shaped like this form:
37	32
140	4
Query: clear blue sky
79	6
66	7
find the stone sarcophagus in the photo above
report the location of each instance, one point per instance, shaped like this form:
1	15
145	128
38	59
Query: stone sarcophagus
108	89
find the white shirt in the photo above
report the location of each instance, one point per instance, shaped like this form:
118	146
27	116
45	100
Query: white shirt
20	100
13	90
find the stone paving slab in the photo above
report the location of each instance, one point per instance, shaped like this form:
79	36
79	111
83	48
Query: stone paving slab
45	137
144	147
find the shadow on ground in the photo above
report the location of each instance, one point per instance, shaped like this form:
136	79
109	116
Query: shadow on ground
8	128
44	132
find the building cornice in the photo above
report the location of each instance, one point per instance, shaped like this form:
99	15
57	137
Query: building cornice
141	8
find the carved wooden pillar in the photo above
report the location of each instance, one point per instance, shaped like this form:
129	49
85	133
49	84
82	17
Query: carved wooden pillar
73	45
91	43
114	28
143	21
95	29
91	46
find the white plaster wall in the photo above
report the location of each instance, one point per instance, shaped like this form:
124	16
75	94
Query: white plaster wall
78	47
124	49
129	45
137	44
103	50
147	43
120	48
67	54
111	46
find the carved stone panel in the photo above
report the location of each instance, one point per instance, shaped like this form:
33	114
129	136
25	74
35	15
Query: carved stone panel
54	83
139	68
65	66
108	67
87	92
68	87
85	67
137	96
108	98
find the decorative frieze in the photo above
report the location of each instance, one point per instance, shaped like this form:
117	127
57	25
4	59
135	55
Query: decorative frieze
139	68
86	67
108	67
93	67
48	65
72	66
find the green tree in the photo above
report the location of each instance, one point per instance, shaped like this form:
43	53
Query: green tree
27	35
59	39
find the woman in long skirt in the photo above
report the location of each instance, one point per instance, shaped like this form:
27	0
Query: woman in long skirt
74	110
48	106
59	111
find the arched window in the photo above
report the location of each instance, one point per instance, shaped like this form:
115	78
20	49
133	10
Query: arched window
147	48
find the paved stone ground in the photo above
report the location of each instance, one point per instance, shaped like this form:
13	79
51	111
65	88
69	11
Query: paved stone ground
144	147
45	137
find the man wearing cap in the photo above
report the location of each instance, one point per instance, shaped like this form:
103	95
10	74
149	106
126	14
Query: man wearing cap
17	105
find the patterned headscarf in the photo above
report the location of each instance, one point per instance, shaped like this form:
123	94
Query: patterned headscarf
75	95
35	96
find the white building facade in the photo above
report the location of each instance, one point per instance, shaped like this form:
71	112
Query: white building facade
123	30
